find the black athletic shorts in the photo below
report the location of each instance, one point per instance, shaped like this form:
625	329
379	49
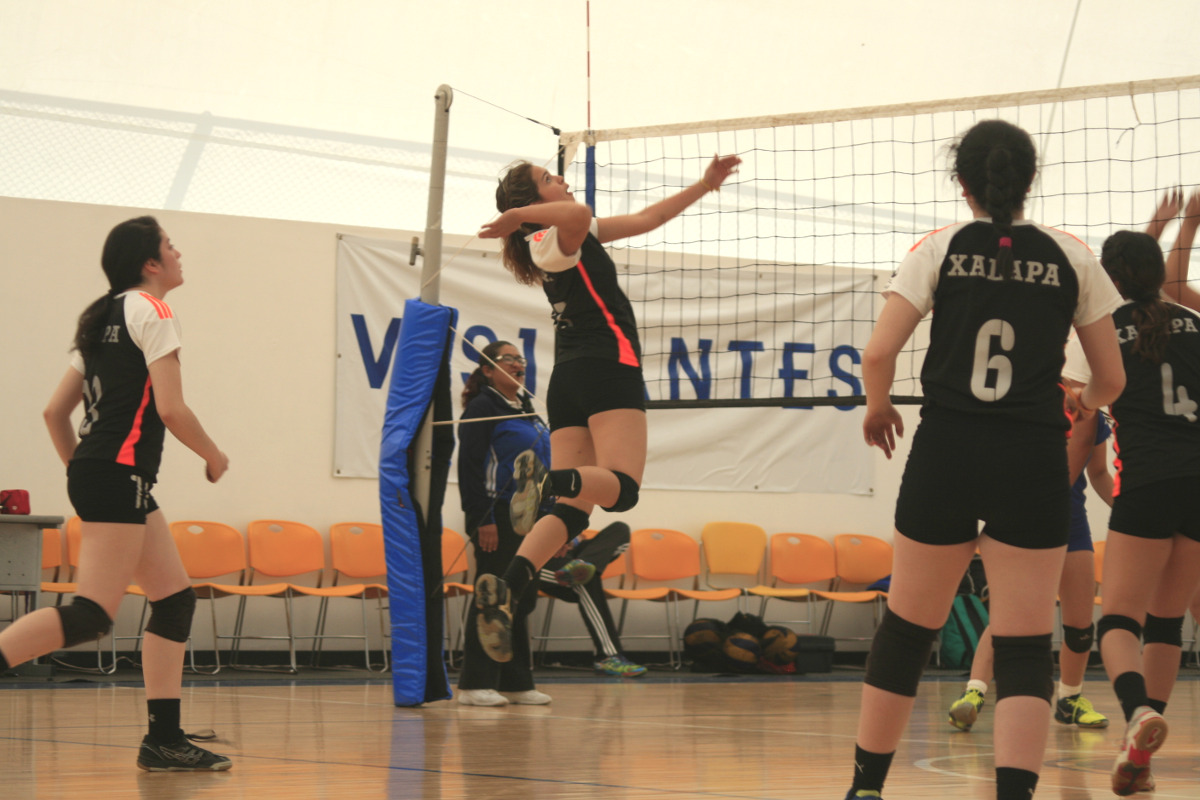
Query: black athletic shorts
582	387
965	468
1159	510
104	491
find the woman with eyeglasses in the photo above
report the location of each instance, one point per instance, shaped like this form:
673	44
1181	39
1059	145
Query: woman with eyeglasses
596	398
486	451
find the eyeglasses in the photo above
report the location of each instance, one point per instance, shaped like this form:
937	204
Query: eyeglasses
511	359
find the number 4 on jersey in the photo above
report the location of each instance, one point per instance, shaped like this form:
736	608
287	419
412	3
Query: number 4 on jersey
1175	398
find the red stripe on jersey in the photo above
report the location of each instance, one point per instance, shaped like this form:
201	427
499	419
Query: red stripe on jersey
164	310
126	455
1116	461
624	346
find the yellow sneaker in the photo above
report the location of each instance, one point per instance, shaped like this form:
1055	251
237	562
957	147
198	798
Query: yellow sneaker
1078	710
965	710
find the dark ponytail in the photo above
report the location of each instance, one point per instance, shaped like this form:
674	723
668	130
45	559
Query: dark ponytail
996	162
476	381
126	250
1134	261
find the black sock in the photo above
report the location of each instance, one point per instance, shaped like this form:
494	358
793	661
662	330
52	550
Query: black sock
565	482
1015	784
518	575
1158	705
870	770
164	719
1131	691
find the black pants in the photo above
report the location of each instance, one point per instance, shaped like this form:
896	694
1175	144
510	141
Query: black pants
593	604
479	671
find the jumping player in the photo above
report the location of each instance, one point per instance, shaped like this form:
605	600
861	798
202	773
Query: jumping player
595	400
125	370
1005	292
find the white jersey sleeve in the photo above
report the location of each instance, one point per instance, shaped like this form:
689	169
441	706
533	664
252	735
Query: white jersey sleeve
546	255
77	362
1097	295
152	326
916	278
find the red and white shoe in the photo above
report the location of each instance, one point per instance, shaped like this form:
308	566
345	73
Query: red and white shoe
1145	733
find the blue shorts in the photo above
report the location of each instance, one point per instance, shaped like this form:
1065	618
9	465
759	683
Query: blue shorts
104	491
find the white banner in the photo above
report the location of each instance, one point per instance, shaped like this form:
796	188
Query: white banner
715	449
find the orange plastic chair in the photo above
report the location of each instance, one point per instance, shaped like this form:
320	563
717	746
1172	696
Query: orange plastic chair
356	552
733	551
661	555
797	562
455	567
1099	548
861	560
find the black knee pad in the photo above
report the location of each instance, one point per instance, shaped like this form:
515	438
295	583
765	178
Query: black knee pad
1163	630
1111	622
575	520
1024	666
565	482
83	621
898	655
1079	640
627	498
171	617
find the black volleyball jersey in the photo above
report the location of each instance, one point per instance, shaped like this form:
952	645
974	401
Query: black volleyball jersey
592	316
120	420
996	346
1157	427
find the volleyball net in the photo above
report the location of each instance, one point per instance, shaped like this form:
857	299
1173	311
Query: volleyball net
766	292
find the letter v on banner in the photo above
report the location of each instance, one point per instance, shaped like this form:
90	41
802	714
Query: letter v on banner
376	368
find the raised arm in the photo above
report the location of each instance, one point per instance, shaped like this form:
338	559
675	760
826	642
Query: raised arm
1176	285
1099	342
67	395
1168	209
653	216
178	417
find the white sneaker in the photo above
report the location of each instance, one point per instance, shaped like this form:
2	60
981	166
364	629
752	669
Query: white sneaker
1143	736
530	698
481	697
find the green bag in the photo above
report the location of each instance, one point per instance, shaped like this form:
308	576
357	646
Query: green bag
960	637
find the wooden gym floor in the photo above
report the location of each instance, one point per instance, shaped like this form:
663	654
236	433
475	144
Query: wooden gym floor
665	737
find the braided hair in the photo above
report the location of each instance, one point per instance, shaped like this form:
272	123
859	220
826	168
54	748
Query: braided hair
1134	261
996	162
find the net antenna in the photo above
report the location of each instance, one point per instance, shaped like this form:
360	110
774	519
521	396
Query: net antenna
766	293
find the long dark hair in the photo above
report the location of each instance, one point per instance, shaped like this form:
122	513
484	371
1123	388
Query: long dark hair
517	189
996	161
126	250
476	381
1134	261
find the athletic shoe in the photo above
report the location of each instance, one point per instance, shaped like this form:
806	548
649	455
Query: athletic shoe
862	794
1145	733
529	698
620	666
965	710
494	621
576	571
481	697
179	756
1078	710
530	477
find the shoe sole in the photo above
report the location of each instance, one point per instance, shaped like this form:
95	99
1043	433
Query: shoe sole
964	716
214	768
526	500
494	623
1088	725
1127	777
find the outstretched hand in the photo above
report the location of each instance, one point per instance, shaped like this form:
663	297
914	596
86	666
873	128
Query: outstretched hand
1168	209
720	169
499	228
1191	212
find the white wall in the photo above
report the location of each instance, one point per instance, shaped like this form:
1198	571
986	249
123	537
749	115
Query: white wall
258	319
